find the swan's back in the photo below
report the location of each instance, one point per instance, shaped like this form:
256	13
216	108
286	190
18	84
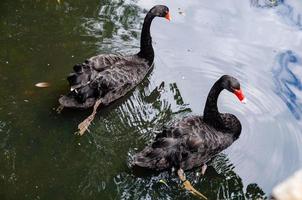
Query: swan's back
186	144
104	76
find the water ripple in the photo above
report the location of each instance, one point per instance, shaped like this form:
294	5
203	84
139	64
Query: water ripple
290	11
117	25
286	73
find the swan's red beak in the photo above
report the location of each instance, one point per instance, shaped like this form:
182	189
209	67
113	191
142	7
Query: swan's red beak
168	17
240	95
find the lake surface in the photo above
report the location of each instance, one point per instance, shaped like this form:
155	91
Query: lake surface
258	42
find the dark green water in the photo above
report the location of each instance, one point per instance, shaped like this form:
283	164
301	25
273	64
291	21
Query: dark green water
41	158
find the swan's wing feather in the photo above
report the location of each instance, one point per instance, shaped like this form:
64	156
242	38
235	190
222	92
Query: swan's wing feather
187	143
104	61
160	155
116	80
120	79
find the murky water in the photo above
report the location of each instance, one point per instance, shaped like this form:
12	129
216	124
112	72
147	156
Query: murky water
256	41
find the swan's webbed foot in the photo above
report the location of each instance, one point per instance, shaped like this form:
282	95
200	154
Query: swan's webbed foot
83	126
187	185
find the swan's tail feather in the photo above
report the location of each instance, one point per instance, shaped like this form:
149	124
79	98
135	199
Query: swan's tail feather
82	93
82	75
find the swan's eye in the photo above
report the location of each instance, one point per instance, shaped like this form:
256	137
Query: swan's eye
235	88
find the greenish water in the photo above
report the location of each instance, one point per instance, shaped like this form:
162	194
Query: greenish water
41	158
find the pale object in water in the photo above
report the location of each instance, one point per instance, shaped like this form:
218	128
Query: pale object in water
290	189
163	182
42	84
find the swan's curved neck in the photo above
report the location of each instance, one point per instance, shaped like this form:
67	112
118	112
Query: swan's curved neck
211	114
146	50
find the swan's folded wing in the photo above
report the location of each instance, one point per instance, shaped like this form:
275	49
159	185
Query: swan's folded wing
109	83
104	61
162	154
69	101
195	143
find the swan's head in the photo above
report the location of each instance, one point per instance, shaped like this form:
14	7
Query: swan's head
160	11
232	84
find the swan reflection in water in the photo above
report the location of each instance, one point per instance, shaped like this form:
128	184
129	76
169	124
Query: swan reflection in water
289	10
219	182
288	82
266	3
126	125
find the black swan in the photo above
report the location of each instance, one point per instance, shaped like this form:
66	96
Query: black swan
194	140
105	78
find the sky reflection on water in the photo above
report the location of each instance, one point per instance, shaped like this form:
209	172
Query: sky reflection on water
41	158
287	75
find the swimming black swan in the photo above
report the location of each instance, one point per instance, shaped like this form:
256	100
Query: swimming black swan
194	140
105	78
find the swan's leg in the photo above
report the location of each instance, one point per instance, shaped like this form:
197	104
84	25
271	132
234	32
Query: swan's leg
59	109
203	169
83	126
187	185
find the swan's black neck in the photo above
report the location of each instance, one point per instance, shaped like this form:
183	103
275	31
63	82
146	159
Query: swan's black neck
146	50
211	114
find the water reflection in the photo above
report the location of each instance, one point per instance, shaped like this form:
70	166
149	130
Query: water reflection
289	10
266	3
42	40
7	158
147	108
117	25
219	182
286	74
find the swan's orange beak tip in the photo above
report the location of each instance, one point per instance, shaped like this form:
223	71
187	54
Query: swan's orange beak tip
240	95
168	16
